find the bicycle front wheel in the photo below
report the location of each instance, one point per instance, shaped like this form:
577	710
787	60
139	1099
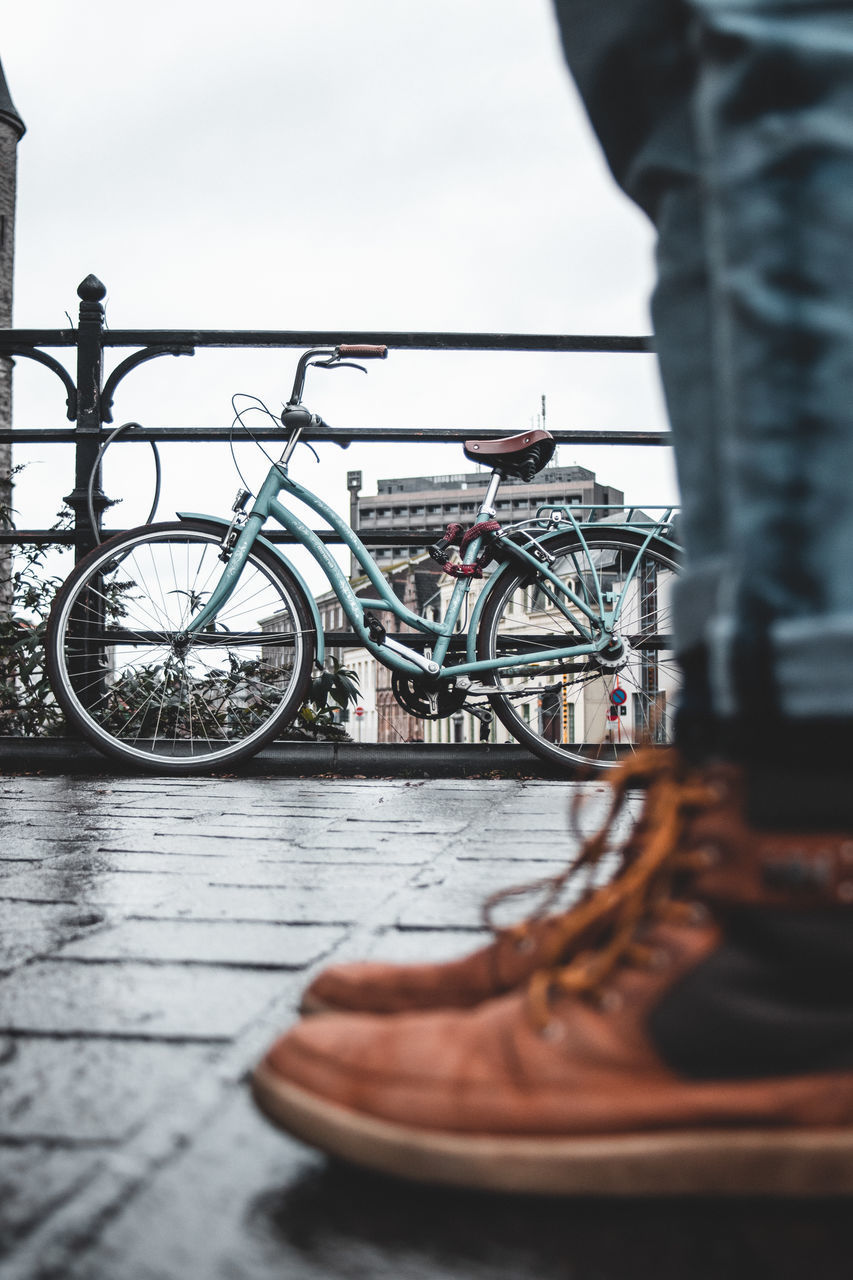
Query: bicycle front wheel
591	709
131	684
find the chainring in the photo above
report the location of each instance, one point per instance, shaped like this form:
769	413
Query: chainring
419	696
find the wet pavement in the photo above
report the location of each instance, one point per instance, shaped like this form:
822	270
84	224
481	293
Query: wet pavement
155	934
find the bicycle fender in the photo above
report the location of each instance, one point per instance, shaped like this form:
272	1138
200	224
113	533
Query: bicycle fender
270	546
511	565
480	603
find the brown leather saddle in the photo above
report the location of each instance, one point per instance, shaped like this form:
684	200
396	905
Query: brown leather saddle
520	456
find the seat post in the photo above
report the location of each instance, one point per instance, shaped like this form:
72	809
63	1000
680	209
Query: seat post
487	507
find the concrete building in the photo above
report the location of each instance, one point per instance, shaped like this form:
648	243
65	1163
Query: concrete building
11	132
428	504
580	711
431	502
418	583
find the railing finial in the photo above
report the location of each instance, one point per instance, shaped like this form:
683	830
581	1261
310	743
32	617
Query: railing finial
91	289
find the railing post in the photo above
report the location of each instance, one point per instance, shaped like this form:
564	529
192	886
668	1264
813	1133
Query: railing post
354	483
90	366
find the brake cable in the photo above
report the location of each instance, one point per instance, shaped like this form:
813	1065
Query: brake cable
90	488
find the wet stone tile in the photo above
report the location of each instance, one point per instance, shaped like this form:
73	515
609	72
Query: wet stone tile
130	999
30	929
208	942
424	946
34	1180
453	895
89	1090
316	894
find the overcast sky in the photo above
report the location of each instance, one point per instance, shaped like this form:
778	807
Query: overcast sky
377	164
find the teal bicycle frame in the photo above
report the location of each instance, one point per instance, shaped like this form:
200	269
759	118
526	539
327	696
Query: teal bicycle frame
391	652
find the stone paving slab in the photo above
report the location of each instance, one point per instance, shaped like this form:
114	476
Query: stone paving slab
309	894
79	1091
155	934
207	942
131	999
34	929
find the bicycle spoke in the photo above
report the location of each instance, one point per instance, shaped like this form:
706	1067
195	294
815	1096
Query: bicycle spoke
137	692
564	709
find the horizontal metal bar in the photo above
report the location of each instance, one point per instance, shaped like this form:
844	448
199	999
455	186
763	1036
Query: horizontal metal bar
402	340
350	639
201	639
411	536
379	435
660	641
371	537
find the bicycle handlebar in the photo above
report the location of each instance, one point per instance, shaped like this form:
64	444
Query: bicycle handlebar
334	356
362	350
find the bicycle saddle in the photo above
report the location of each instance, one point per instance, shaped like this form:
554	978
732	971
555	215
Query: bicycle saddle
521	456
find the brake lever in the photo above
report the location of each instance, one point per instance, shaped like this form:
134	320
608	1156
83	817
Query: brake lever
339	364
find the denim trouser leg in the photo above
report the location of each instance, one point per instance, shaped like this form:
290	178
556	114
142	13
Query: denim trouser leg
740	112
633	65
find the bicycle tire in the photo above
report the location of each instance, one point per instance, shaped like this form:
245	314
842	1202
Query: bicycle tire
126	686
570	717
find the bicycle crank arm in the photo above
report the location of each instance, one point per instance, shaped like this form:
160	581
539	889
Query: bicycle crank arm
489	690
417	659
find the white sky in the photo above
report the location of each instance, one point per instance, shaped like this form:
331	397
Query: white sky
383	164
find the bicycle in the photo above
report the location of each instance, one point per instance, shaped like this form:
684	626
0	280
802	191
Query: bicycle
190	644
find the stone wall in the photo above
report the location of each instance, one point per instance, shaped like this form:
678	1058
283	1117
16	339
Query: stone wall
8	167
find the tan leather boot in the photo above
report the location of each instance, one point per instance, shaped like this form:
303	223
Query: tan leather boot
569	1085
515	953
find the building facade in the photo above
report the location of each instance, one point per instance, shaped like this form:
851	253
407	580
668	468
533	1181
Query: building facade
580	710
429	503
11	132
418	584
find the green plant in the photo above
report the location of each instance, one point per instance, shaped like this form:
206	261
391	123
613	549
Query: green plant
29	709
27	705
331	694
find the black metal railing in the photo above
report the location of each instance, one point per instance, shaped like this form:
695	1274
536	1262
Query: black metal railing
89	400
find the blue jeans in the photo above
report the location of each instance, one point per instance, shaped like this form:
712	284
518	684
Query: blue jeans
731	123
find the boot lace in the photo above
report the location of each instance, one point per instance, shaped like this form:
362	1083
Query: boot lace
594	906
613	916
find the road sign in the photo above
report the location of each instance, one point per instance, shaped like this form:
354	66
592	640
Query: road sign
618	696
359	711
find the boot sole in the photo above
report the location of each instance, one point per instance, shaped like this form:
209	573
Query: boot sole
697	1162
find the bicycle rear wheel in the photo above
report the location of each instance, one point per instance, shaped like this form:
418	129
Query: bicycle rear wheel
592	709
127	683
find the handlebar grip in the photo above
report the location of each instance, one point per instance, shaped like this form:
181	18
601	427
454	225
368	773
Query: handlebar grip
363	351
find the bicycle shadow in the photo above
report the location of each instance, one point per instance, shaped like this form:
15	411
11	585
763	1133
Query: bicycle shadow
344	1222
